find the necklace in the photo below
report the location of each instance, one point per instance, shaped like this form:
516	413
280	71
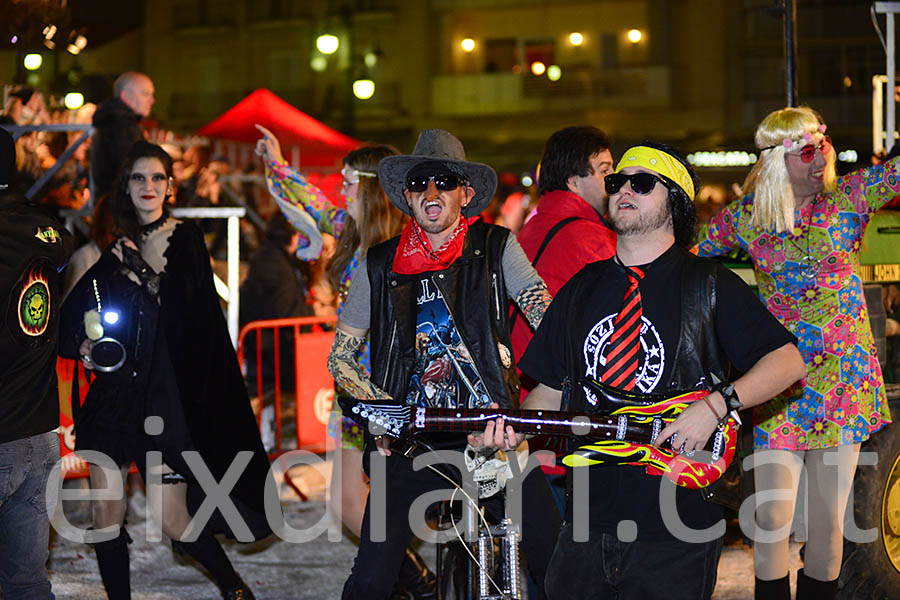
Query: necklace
809	265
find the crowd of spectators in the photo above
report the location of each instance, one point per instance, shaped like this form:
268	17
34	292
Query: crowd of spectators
201	180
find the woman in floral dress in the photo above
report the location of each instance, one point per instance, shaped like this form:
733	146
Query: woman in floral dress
803	228
369	219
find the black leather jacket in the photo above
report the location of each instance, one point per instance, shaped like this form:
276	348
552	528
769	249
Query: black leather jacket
475	293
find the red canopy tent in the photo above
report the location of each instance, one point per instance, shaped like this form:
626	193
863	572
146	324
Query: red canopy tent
319	145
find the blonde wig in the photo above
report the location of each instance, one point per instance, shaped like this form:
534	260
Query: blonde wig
773	200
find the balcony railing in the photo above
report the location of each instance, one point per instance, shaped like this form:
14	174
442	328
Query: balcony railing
505	93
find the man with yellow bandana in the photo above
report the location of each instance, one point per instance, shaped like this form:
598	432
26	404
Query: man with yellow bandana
683	319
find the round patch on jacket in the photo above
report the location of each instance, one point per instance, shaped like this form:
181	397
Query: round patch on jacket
505	355
28	312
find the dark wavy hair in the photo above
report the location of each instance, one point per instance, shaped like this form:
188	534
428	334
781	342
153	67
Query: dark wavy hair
125	219
684	215
568	154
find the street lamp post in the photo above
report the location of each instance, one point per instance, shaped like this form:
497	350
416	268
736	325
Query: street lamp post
788	11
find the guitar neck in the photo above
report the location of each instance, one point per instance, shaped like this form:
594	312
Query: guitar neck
547	422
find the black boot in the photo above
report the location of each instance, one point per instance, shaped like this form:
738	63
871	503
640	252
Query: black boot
813	589
776	589
207	551
115	567
241	592
415	580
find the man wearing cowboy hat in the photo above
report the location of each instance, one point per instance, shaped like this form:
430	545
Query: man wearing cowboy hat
434	302
690	318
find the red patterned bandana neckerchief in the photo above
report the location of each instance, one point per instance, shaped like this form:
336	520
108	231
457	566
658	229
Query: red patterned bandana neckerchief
414	253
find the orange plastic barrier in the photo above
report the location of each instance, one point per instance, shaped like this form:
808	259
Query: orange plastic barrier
312	385
65	374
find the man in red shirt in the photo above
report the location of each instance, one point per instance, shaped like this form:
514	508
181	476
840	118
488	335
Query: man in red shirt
570	219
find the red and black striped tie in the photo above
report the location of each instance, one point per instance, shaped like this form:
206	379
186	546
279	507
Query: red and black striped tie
623	349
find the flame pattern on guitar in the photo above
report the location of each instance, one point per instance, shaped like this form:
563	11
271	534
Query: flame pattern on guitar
679	468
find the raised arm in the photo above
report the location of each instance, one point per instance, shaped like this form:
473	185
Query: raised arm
872	187
290	188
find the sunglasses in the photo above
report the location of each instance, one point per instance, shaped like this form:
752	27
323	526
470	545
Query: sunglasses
444	182
808	152
642	183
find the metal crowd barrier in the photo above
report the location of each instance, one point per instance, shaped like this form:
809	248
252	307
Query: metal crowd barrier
308	391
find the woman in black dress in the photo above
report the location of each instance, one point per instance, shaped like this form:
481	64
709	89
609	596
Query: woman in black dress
177	405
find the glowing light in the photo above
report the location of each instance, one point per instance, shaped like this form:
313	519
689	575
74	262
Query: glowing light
634	35
526	180
111	317
33	62
74	100
327	43
363	88
467	44
77	45
538	68
14	39
554	72
848	156
847	81
49	32
318	63
576	39
733	158
371	59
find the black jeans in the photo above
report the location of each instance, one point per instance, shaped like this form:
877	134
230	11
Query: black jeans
605	568
378	563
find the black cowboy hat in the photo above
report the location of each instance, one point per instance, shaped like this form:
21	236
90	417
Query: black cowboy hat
442	146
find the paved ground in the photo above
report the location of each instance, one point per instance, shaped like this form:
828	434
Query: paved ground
277	569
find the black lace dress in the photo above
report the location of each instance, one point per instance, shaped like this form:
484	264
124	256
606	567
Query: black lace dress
180	366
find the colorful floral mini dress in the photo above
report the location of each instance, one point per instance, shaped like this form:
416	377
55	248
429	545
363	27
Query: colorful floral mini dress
809	279
294	195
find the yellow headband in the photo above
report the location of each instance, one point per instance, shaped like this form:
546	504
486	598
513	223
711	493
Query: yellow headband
660	162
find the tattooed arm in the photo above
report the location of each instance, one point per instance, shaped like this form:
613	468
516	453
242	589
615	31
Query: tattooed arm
523	284
533	301
345	369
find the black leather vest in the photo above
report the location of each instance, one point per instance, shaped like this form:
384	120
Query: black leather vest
475	293
698	354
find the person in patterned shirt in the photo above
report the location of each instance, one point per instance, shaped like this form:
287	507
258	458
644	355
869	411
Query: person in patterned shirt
803	228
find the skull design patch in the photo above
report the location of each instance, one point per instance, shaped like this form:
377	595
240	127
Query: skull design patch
34	305
29	310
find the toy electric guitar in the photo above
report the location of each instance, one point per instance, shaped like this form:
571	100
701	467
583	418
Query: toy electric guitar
623	434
